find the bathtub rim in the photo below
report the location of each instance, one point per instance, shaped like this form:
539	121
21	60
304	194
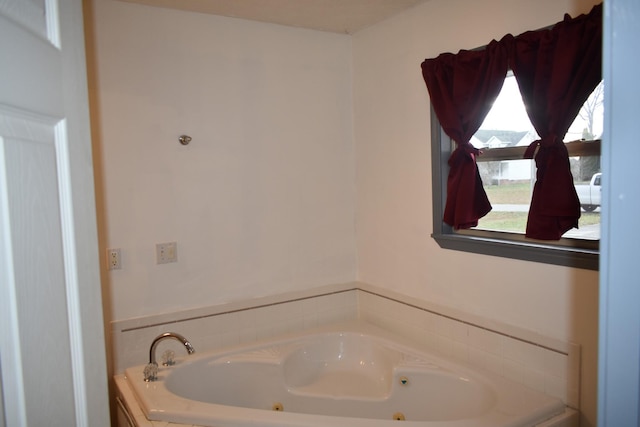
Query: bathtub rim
134	417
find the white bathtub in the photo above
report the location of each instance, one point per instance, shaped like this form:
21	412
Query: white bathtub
351	375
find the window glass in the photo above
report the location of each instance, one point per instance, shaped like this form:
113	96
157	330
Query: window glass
509	179
507	119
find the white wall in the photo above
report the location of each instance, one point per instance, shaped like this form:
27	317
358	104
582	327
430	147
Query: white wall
262	200
393	164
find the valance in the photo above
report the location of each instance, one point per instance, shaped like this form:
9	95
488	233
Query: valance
556	69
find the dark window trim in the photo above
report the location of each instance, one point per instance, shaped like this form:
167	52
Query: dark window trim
511	247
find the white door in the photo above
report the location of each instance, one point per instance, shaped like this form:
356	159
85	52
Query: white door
52	354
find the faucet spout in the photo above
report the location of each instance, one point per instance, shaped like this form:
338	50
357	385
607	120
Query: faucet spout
167	335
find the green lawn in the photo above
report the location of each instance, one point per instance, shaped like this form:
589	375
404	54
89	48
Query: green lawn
518	193
517	221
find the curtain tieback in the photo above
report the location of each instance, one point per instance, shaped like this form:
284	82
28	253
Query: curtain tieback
468	148
463	153
546	142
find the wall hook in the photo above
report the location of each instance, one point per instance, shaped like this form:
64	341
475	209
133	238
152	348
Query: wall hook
184	139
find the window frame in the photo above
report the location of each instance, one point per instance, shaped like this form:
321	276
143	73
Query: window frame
507	245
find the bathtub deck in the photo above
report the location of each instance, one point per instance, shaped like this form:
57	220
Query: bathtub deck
126	396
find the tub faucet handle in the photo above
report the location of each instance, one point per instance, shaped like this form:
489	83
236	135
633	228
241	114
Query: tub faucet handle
168	358
151	372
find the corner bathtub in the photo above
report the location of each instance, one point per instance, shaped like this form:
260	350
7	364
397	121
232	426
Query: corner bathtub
352	375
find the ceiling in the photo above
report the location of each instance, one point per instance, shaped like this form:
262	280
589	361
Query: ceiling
339	16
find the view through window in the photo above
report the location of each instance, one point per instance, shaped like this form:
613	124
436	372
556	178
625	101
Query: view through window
509	179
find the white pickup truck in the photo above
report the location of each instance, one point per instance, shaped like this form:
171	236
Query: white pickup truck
590	194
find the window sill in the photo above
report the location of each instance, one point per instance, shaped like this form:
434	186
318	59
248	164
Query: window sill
534	250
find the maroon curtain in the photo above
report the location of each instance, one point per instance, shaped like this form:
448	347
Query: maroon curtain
463	88
556	70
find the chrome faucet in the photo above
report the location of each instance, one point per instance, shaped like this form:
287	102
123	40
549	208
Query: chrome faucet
151	370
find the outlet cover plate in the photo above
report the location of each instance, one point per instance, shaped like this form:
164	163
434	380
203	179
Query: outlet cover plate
113	259
166	252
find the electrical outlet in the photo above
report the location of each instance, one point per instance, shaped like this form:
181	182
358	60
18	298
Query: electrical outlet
113	259
166	252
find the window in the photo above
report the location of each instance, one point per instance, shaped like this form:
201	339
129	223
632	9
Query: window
508	181
557	69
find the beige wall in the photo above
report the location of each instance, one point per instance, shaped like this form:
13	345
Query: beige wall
262	200
393	220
